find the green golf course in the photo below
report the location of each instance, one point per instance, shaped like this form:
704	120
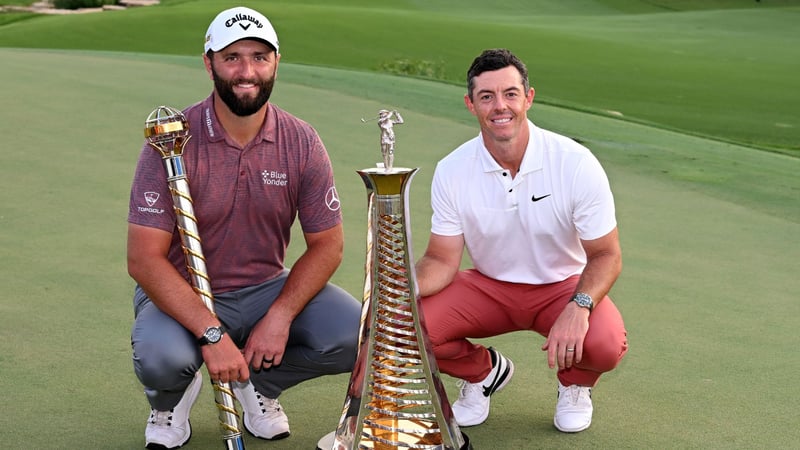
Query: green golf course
690	105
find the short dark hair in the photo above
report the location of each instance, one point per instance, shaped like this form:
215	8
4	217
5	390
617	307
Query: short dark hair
495	59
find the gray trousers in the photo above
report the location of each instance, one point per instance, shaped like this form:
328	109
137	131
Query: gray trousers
323	340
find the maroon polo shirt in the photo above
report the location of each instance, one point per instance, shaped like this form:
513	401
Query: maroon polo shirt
245	199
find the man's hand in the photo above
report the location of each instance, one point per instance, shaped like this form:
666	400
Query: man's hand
267	342
224	361
564	343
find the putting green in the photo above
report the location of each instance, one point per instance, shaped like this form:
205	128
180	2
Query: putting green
708	290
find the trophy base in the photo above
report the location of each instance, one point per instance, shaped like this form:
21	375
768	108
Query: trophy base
467	444
327	441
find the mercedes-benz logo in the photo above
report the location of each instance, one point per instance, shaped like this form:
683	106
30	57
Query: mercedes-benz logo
332	199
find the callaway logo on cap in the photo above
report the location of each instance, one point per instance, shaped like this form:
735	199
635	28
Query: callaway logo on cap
239	23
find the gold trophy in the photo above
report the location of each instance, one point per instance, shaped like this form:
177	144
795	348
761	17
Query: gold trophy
167	131
395	398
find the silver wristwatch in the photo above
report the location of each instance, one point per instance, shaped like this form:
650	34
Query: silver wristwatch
212	335
583	300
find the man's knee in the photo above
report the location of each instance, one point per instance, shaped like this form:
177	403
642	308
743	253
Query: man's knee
162	370
606	354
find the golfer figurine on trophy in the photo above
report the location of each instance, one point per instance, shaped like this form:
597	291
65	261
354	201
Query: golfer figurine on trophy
395	398
386	121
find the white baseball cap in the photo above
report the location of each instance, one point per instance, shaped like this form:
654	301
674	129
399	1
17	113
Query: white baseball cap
238	23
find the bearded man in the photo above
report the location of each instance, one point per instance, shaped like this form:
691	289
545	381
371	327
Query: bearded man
252	169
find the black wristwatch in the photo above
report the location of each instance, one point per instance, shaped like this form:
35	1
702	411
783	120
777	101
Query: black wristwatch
212	335
583	300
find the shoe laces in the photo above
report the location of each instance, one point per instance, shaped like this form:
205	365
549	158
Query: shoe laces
468	389
572	394
161	418
268	405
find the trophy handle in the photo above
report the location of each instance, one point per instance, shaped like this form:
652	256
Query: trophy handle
167	131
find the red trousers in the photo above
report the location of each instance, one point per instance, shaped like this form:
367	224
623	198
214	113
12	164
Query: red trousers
476	306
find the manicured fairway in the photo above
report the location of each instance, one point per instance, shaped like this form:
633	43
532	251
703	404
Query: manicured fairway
721	68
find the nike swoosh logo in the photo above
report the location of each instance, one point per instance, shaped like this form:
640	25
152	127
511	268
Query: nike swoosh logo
498	380
536	199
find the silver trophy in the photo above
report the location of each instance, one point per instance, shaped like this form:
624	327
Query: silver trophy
395	398
167	131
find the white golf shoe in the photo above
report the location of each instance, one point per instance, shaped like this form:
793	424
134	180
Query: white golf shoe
472	406
574	408
263	417
171	429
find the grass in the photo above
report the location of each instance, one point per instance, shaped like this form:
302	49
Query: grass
708	230
728	72
708	320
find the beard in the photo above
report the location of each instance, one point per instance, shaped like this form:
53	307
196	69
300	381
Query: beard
243	106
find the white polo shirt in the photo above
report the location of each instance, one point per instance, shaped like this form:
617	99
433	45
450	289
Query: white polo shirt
526	229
